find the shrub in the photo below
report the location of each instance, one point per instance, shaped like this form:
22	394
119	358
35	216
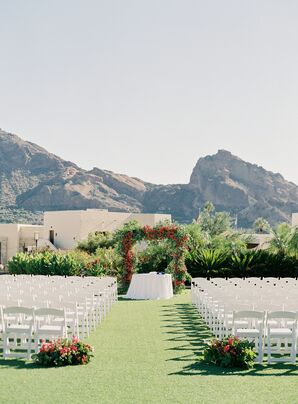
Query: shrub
242	263
63	352
45	263
206	262
156	257
260	263
230	352
106	261
96	240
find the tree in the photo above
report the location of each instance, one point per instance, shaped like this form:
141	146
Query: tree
261	225
293	245
214	223
284	239
96	240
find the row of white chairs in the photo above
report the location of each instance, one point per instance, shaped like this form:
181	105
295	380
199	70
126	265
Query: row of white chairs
262	310
28	300
24	329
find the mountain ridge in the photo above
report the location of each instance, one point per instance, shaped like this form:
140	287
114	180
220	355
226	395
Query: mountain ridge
33	180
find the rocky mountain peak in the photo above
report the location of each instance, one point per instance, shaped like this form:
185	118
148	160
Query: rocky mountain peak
33	180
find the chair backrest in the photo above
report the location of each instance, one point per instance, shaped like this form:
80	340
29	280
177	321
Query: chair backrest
248	319
18	310
282	319
237	315
18	315
287	315
49	312
49	316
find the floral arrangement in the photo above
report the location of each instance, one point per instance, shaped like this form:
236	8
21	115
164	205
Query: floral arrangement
63	352
230	352
132	232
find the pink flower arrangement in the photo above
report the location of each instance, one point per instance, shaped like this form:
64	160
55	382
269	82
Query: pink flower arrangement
64	352
230	352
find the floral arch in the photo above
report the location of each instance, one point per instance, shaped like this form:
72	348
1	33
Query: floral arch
132	233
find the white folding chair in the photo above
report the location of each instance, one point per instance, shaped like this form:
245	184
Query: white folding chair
50	324
281	327
250	324
18	326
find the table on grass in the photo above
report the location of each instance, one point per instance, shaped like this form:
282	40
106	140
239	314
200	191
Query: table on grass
152	286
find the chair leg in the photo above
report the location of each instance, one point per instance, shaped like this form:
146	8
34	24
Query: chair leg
29	347
269	349
5	346
36	341
260	349
294	350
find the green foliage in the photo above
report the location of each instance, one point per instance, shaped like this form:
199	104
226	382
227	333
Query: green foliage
215	249
293	244
96	240
156	257
214	223
259	263
207	262
229	241
285	239
196	238
230	352
45	263
261	225
242	262
105	261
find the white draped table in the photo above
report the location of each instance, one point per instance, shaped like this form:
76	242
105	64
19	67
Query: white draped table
150	286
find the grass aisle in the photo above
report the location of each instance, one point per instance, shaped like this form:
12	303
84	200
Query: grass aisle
146	353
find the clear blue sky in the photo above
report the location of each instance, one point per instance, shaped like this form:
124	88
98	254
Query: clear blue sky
148	87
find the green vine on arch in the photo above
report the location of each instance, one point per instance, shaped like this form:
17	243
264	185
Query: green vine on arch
132	232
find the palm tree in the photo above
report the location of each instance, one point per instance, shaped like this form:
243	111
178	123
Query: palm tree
261	225
294	241
285	239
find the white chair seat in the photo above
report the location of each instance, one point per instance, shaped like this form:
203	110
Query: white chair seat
18	328
47	328
280	332
248	332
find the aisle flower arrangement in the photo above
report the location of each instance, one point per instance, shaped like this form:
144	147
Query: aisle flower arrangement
230	352
63	352
132	232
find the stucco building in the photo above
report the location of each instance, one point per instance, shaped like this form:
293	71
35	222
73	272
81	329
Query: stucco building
295	219
64	229
18	237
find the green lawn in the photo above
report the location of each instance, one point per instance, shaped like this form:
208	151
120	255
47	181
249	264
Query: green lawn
146	352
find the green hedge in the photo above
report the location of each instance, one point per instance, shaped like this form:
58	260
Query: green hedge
104	262
260	263
203	262
45	263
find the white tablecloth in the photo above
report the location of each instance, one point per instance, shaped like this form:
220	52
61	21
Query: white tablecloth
150	286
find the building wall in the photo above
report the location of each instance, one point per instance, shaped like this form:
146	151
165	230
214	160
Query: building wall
72	226
295	219
149	219
66	225
13	237
9	241
93	220
27	235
